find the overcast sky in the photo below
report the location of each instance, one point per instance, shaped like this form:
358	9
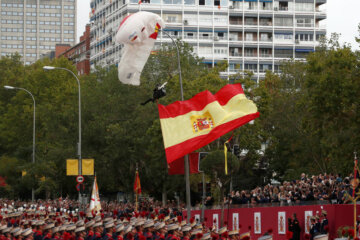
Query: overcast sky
342	17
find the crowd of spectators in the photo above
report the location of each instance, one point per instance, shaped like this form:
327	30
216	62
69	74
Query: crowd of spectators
323	187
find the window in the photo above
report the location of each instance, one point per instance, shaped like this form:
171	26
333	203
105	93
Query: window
283	53
264	37
304	7
265	52
304	22
265	67
251	67
283	21
283	6
283	36
250	52
249	37
220	51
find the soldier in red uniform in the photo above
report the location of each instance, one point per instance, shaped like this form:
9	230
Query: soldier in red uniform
98	230
109	227
148	229
186	232
120	232
80	233
27	234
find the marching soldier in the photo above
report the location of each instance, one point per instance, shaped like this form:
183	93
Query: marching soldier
120	232
148	228
109	231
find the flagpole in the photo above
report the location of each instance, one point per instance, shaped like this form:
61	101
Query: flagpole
353	193
137	187
186	158
136	202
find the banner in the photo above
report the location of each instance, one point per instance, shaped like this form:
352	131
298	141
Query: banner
235	221
72	167
137	186
282	222
216	221
308	215
95	205
257	223
88	167
189	125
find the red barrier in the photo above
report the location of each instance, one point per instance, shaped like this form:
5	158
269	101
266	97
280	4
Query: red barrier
338	215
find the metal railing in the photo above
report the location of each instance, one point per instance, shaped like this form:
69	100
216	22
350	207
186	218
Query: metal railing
258	205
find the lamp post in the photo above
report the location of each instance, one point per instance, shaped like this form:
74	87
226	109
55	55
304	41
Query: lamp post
49	68
33	150
186	158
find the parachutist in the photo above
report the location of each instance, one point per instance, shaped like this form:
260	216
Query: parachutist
158	93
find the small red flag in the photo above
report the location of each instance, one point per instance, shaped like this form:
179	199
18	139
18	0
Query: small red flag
137	186
2	182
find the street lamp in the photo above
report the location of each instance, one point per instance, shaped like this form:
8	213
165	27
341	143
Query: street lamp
48	68
33	154
186	157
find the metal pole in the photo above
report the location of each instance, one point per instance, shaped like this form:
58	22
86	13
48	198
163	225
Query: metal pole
79	143
34	121
353	193
203	197
186	163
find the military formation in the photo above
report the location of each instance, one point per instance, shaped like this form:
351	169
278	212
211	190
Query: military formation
49	224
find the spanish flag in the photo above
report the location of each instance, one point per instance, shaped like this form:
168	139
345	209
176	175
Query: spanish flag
137	186
189	125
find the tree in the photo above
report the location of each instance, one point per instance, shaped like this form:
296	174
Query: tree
214	166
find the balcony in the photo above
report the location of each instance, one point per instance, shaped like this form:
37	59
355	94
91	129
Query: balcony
306	25
265	55
267	40
235	54
283	55
265	24
253	55
250	23
202	37
235	22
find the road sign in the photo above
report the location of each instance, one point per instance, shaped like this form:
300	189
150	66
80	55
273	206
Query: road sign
80	179
79	186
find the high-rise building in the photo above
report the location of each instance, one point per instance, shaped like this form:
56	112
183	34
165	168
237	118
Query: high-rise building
253	35
79	54
33	27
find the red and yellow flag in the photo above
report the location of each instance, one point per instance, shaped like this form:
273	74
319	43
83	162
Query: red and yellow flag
137	186
189	125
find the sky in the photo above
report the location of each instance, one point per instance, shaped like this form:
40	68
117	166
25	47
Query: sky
342	17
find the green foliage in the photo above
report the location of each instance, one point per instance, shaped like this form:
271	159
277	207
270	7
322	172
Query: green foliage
309	120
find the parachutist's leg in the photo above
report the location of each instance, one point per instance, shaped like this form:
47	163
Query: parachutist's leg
147	101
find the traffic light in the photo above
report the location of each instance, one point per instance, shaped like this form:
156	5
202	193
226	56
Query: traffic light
236	150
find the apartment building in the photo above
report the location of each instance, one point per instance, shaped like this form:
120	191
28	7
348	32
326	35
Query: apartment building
79	54
33	27
253	35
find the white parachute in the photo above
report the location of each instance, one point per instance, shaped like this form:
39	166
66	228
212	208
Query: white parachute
138	33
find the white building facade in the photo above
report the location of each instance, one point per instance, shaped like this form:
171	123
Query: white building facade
253	35
34	27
